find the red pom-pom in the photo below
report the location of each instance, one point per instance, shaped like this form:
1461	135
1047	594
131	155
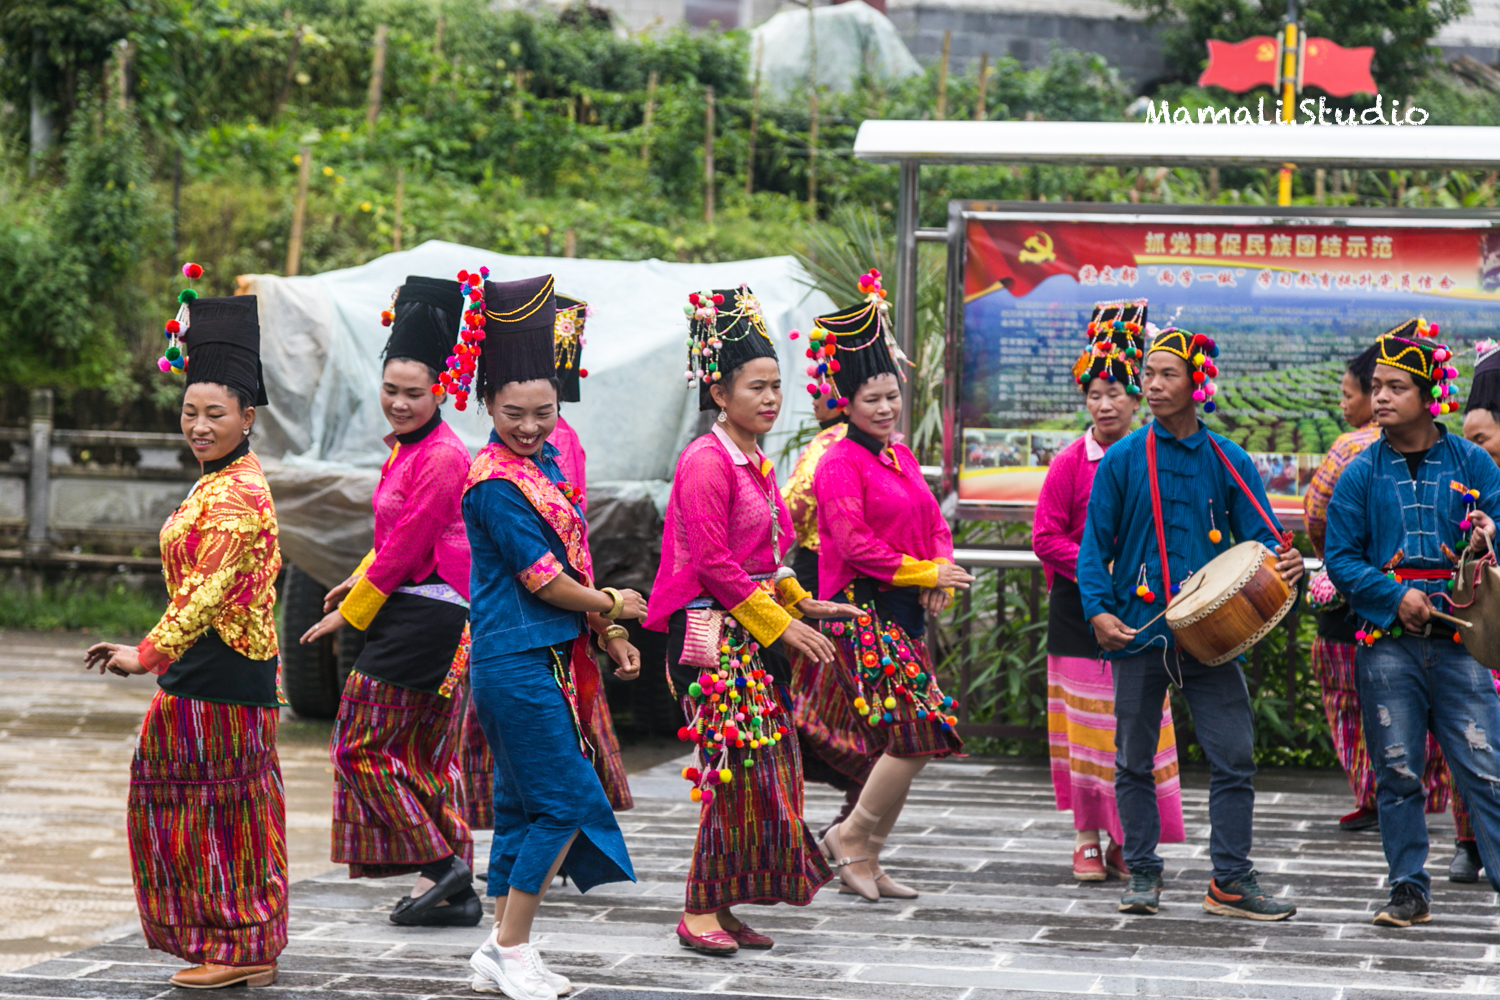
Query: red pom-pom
191	271
718	300
583	373
463	277
438	390
874	273
1199	377
693	297
174	327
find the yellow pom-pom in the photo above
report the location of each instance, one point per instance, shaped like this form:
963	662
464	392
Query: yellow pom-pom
1140	591
860	704
1198	360
890	702
726	776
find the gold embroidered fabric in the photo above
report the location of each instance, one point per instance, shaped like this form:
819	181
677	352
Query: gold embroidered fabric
364	563
915	573
792	593
798	491
762	617
220	559
363	602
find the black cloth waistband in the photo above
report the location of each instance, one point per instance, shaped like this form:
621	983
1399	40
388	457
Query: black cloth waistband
212	671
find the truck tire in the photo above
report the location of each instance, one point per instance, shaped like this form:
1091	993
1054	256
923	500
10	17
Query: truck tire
350	641
309	673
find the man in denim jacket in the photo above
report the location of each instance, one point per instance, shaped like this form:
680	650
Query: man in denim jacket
1399	513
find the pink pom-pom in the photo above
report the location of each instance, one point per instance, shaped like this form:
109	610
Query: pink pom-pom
827	389
1465	524
1436	409
812	389
484	272
1440	355
191	271
793	335
164	364
1359	635
708	794
1199	395
452	361
843	401
812	371
874	273
1432	329
1210	388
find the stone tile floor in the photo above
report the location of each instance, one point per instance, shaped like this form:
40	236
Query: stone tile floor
999	917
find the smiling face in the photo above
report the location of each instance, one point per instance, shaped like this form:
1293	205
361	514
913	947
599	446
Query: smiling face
1354	402
213	422
753	397
1167	384
875	407
1396	399
524	414
406	396
1111	409
1481	427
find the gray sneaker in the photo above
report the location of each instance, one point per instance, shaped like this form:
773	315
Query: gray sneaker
1142	894
513	970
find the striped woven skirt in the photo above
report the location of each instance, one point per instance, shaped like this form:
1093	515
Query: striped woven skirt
478	767
1081	743
206	824
397	788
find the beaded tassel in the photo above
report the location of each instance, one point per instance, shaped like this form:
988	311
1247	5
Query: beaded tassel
890	676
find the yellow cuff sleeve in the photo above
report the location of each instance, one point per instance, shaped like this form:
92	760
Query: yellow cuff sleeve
792	593
762	617
915	573
361	604
364	563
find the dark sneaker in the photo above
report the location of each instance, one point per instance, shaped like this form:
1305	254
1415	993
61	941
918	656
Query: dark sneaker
1466	865
1244	898
1407	906
1143	894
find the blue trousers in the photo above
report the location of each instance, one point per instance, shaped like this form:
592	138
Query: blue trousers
1408	687
1220	704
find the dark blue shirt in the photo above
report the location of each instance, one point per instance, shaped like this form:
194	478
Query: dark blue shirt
1378	509
506	537
1120	529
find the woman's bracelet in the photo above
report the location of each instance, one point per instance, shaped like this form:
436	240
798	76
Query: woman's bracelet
618	598
614	632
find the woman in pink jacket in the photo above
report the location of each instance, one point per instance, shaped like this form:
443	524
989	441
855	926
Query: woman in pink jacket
398	803
1080	688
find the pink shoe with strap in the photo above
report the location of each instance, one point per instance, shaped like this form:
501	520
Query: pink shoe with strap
748	937
715	942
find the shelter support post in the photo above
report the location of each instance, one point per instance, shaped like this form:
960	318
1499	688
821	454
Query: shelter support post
38	542
906	271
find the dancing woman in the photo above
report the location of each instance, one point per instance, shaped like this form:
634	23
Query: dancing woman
532	601
883	546
729	614
398	792
1080	686
206	817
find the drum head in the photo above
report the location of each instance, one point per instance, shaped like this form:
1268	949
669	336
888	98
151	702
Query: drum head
1226	572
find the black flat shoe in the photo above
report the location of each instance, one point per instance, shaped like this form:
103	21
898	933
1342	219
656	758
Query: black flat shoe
465	913
412	911
1466	865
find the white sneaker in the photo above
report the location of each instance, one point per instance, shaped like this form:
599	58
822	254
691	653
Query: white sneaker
559	984
511	969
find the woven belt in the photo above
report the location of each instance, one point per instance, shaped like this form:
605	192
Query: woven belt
1405	575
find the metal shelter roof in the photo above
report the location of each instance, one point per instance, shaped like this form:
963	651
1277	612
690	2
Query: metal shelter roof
1134	144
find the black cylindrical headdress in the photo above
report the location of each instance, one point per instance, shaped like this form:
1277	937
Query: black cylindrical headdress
725	330
851	346
1115	346
222	345
424	321
1411	348
1484	390
506	334
567	347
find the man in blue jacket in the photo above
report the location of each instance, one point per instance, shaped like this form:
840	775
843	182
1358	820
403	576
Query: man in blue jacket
1206	488
1398	514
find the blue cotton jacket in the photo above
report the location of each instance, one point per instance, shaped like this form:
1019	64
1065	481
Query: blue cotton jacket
1120	531
1378	510
506	535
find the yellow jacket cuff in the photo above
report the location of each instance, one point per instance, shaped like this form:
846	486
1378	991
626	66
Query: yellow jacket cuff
762	617
915	573
364	563
361	604
792	593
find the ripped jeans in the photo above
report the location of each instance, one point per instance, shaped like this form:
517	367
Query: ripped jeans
1406	687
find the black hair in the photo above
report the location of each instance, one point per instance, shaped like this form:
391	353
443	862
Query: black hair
1362	367
491	389
432	373
245	399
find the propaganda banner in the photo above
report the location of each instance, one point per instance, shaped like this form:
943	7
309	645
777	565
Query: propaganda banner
1289	301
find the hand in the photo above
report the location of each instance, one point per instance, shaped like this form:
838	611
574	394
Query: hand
1415	610
634	605
626	656
808	641
331	623
936	600
1111	633
1484	531
814	608
333	597
112	656
1290	563
953	576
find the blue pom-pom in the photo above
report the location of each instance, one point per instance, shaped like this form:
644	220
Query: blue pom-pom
1209	407
1213	351
1176	587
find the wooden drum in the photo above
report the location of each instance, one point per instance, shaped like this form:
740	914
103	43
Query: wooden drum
1230	604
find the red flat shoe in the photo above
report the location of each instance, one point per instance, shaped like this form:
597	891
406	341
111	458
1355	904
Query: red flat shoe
1088	863
1360	819
715	942
1114	861
747	937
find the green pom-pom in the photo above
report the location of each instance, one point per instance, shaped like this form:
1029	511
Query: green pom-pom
186	295
1086	376
749	763
1132	390
695	689
173	354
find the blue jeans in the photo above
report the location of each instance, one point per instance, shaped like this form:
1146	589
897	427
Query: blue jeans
1408	687
1220	704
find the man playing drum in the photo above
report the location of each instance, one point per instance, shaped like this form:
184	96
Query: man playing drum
1398	513
1164	500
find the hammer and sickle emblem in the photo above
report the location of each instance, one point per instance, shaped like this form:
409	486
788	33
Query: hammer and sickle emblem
1266	52
1036	250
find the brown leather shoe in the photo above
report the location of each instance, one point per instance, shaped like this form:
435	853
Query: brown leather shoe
211	977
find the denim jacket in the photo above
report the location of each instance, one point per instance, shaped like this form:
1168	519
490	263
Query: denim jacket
1378	511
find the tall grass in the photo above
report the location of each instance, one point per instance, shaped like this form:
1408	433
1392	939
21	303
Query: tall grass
112	608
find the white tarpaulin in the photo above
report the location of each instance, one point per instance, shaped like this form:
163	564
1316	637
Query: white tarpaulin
852	39
320	345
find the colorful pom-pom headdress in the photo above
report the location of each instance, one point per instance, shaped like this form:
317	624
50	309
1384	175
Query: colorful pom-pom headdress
422	316
1411	348
505	336
567	347
215	340
1114	352
851	346
725	330
1200	352
1484	389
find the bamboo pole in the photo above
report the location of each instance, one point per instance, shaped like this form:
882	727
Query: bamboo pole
377	77
754	120
1213	183
437	47
984	82
299	211
650	113
812	98
942	95
1320	177
570	243
290	76
708	156
400	202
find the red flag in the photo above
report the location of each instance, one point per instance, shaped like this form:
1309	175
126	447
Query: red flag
1021	255
1337	70
1239	66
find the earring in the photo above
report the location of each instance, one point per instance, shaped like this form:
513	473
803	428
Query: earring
723	417
247	432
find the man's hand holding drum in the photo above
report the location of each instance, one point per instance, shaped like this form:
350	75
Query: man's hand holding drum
1289	562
